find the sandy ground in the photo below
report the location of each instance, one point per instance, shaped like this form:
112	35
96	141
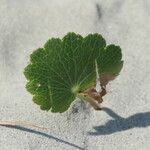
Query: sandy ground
124	122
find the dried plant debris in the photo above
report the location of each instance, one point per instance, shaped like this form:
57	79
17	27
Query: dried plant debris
72	67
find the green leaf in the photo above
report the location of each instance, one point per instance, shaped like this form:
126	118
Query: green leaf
65	67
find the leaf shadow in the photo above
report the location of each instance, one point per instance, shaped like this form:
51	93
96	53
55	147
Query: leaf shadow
43	134
118	123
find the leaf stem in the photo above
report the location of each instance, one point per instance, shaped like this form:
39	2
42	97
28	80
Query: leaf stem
89	99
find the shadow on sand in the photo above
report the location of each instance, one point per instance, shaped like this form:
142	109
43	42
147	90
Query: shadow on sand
119	123
43	134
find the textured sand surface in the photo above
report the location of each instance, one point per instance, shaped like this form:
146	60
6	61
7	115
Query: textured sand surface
124	123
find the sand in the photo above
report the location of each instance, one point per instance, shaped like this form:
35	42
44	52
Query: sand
124	122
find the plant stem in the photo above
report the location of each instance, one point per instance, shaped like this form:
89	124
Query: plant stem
89	99
20	123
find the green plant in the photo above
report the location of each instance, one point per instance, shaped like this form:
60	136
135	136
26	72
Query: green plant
68	68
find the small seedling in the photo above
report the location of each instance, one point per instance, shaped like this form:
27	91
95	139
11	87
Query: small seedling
72	67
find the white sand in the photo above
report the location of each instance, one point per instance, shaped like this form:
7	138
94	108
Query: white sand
26	25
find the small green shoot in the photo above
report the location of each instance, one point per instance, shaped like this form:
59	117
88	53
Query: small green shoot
72	67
